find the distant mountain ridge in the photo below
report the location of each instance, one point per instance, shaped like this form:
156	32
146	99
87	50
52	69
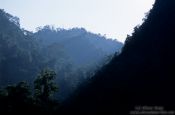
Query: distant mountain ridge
75	54
81	54
77	43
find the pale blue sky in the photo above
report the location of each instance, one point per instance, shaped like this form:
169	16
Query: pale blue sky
114	18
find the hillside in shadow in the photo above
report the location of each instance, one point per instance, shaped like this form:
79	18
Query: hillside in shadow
142	75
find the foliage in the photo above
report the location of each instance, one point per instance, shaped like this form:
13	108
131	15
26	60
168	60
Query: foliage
15	97
44	84
18	98
75	54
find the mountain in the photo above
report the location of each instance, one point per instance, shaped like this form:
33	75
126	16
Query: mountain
81	46
19	56
141	75
74	54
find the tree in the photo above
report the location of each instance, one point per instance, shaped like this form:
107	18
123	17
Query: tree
18	98
44	85
15	98
20	91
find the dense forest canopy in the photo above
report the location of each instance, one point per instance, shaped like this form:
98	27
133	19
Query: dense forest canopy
74	54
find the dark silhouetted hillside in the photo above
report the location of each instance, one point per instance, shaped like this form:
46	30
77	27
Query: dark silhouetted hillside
142	75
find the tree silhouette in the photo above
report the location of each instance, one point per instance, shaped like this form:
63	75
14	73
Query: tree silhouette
44	85
15	98
19	99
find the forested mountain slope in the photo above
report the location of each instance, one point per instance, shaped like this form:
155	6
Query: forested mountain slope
74	54
19	56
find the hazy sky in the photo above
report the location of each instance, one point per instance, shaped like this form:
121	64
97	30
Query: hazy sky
115	18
